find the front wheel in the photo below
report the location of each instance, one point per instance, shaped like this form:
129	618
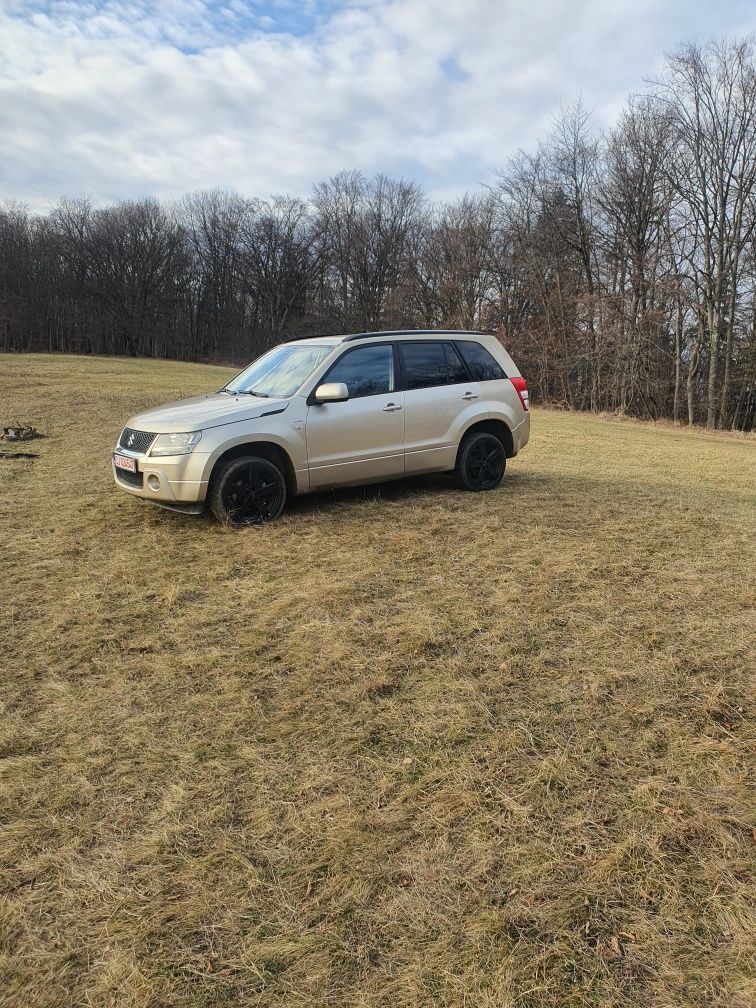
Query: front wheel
481	462
248	491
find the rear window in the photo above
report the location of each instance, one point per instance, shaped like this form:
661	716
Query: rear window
479	361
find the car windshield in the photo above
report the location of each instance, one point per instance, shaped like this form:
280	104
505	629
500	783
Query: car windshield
280	372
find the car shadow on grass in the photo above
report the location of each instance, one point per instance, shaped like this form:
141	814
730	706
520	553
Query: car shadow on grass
391	491
436	485
437	488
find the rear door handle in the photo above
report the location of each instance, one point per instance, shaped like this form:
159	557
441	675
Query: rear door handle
469	396
391	407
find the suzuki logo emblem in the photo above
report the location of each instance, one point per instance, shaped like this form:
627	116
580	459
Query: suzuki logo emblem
130	440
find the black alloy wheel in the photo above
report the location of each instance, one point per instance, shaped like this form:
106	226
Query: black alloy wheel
481	462
248	491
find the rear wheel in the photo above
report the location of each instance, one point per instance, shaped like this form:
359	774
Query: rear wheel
481	462
248	491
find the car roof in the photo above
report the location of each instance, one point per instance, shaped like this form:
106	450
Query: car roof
333	339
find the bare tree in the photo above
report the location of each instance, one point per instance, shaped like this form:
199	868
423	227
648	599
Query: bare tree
634	196
454	264
135	262
211	221
710	98
365	228
278	263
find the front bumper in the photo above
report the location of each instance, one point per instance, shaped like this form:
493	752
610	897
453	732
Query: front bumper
166	480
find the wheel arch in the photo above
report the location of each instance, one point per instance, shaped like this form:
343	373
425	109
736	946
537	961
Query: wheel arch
264	449
498	428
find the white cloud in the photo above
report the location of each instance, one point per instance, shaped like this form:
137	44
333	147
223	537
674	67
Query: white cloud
123	98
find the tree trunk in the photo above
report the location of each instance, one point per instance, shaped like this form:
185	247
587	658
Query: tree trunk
711	396
678	361
692	370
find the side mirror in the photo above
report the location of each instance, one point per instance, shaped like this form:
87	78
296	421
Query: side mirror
335	391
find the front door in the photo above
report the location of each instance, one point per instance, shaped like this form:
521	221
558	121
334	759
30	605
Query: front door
361	439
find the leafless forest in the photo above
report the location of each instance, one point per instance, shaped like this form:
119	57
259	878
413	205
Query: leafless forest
619	268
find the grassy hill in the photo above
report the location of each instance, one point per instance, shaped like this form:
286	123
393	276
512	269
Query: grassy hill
406	746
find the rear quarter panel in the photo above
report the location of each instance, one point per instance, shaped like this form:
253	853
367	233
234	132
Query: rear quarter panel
504	402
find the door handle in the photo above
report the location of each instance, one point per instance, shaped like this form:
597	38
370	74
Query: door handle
469	396
391	407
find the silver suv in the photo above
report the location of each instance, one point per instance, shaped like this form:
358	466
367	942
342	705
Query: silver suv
330	411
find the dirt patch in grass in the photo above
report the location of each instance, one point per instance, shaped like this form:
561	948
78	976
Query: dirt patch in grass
407	746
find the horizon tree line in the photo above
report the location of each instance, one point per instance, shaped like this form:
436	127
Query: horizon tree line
619	268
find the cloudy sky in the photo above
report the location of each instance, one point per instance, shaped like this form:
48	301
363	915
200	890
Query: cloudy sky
124	98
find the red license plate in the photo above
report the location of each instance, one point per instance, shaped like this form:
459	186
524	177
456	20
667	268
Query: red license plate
124	462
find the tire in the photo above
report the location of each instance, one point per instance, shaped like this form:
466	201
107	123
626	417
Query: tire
247	491
481	461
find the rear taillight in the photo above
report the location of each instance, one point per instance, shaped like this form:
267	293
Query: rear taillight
522	390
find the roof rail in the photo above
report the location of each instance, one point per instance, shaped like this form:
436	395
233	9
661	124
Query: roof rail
349	337
416	332
320	335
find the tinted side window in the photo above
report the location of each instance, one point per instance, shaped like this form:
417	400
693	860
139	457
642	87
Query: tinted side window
365	371
457	371
480	362
424	364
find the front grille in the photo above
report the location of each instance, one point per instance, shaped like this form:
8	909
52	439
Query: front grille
134	480
136	441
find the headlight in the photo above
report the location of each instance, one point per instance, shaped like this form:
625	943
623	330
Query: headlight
175	444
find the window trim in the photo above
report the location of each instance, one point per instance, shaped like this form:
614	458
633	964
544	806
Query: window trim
452	345
325	377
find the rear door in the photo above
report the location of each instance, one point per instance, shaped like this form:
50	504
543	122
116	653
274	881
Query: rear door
361	439
437	393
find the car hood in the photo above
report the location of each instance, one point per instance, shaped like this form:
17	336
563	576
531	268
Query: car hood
201	412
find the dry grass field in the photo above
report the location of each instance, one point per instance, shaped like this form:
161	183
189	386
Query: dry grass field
405	747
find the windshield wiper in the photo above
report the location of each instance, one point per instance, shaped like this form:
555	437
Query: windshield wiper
262	395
